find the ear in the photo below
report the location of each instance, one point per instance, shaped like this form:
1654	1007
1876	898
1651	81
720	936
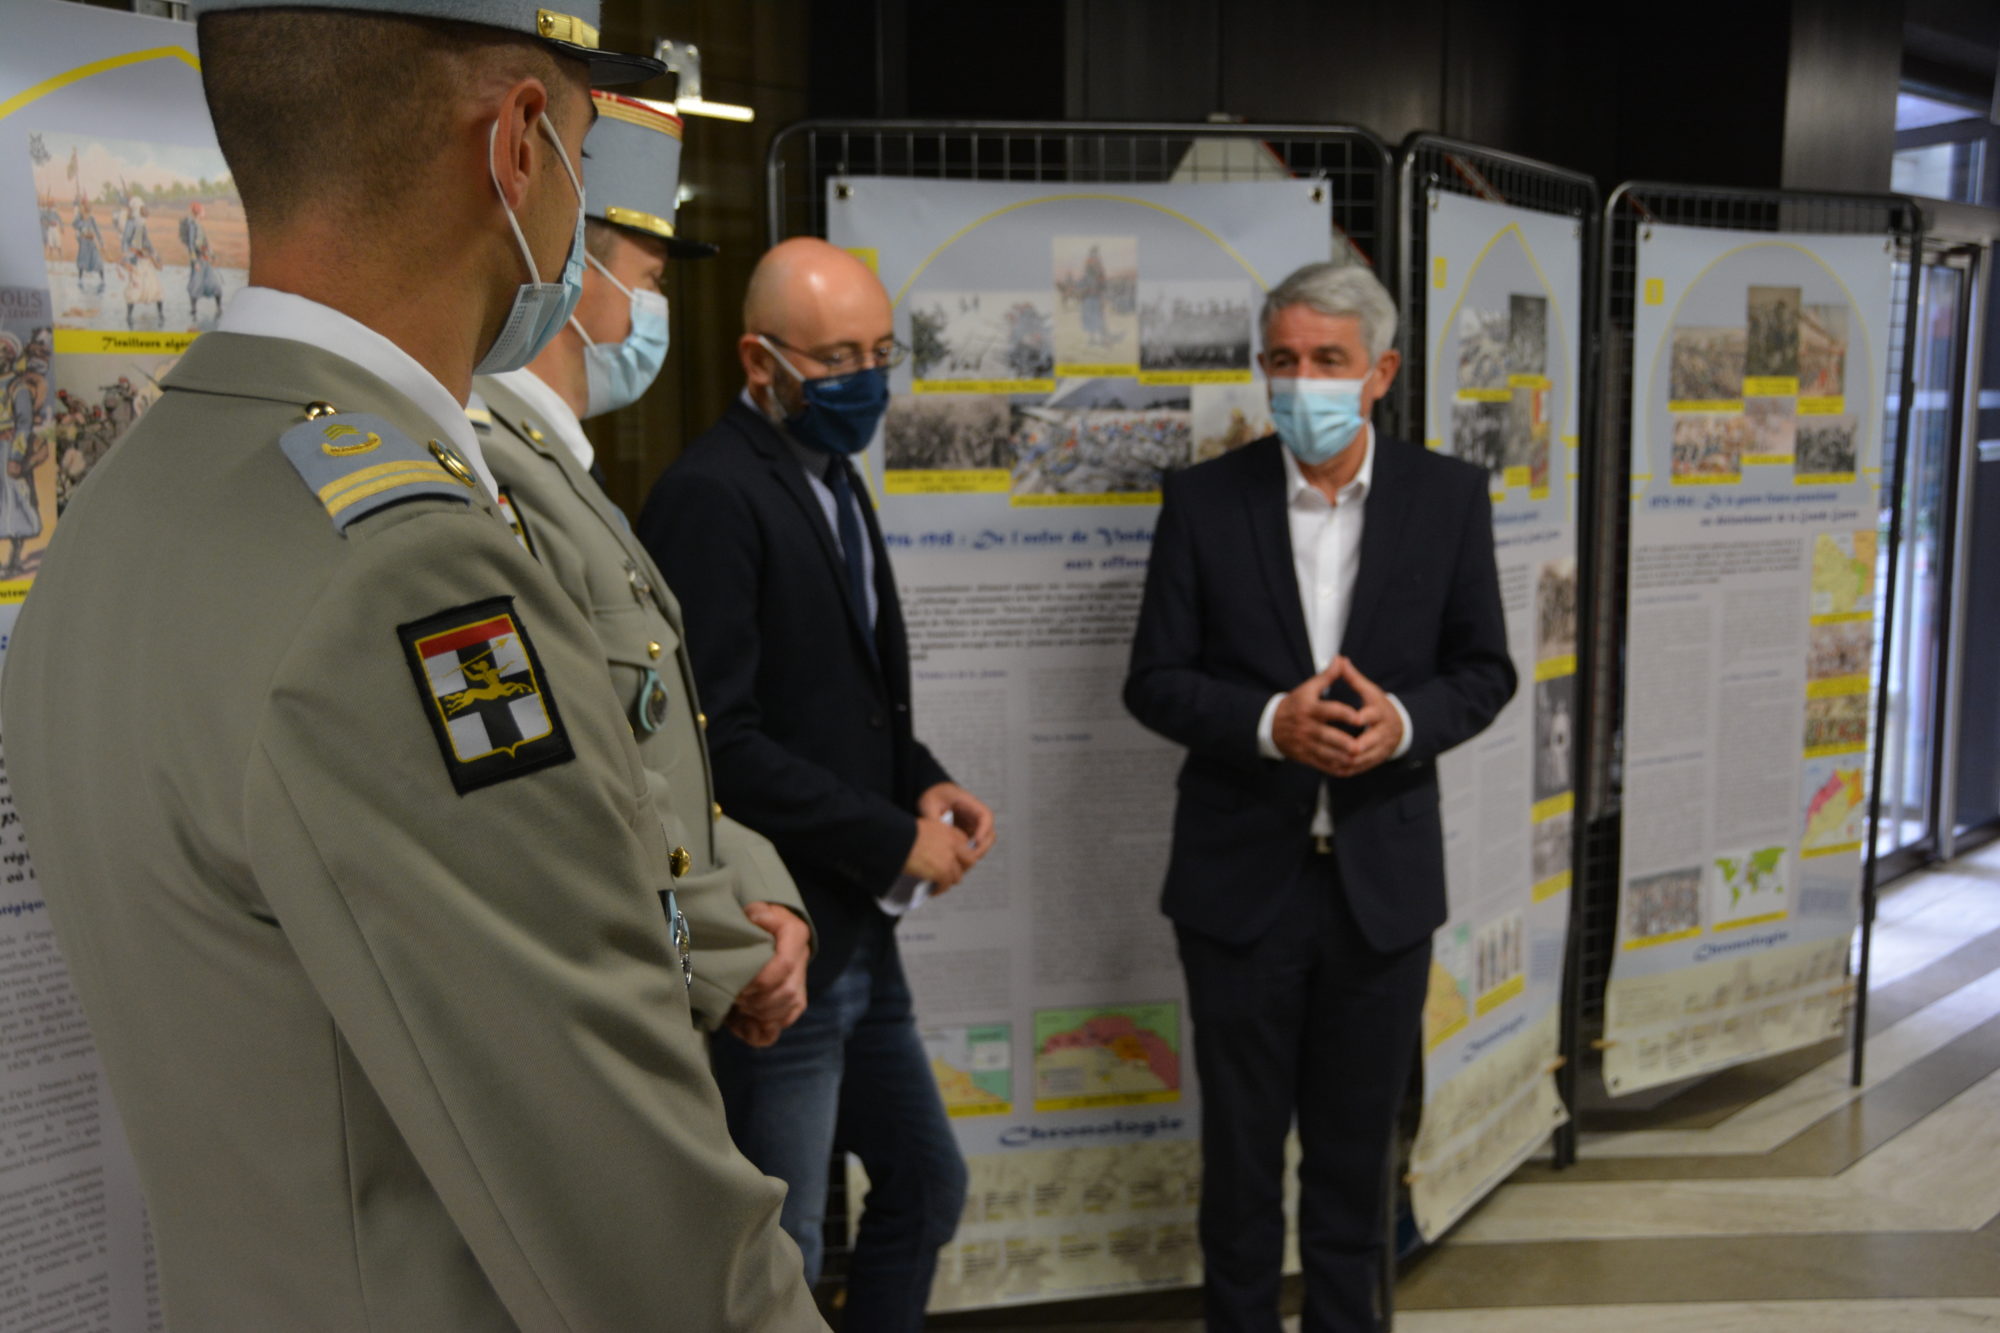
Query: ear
757	367
511	145
1389	363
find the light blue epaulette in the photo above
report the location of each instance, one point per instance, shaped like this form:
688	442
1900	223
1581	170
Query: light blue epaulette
356	463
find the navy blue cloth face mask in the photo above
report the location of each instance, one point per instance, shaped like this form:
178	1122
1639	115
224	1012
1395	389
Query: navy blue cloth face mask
841	411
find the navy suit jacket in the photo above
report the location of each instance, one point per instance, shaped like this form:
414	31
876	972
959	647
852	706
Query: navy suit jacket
808	731
1221	630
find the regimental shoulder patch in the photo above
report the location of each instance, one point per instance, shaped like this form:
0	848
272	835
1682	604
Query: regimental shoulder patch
355	463
512	513
483	690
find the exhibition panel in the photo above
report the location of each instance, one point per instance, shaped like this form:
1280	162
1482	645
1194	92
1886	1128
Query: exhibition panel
1760	369
1493	276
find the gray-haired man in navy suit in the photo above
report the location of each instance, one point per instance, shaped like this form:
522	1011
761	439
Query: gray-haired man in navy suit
1322	619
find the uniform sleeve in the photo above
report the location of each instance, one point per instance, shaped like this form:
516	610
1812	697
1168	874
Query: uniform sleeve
497	960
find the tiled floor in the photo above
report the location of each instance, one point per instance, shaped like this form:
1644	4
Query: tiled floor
1771	1199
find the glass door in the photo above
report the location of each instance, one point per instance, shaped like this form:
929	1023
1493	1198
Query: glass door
1906	833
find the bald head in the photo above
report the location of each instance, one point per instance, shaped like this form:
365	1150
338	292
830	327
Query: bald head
813	300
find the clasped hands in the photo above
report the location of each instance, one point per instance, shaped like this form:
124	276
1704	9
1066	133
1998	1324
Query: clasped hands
1336	738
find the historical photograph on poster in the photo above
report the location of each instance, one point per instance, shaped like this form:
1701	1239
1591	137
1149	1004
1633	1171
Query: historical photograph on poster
1773	426
1482	348
982	335
1497	953
1707	364
1668	903
1822	351
1194	326
1528	434
28	438
1555	609
1527	335
1097	300
1228	416
1709	446
1826	447
1549	849
1839	649
139	236
1097	452
1555	736
948	431
1774	332
1837	723
1479	435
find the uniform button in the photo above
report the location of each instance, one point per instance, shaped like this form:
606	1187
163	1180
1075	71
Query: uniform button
680	861
717	807
653	650
701	719
533	433
656	706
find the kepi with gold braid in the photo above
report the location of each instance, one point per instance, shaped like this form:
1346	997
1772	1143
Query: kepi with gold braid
569	26
632	171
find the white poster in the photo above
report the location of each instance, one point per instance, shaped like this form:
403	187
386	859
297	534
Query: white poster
1758	369
1503	352
1071	344
120	238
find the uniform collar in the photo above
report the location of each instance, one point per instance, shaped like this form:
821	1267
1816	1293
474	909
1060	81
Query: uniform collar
265	312
554	410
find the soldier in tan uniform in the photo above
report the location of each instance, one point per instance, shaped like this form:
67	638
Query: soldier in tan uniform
361	903
749	928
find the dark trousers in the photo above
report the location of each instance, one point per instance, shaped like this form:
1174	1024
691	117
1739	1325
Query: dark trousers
1307	1020
852	1074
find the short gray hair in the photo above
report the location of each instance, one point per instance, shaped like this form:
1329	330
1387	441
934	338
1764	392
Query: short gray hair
1339	290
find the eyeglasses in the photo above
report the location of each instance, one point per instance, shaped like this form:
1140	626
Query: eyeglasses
887	355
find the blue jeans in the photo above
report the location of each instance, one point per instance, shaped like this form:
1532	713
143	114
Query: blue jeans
852	1075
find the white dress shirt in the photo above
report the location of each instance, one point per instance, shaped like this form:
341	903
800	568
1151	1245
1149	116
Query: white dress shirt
266	312
556	413
1326	557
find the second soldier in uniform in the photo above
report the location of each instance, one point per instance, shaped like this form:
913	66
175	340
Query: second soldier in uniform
749	933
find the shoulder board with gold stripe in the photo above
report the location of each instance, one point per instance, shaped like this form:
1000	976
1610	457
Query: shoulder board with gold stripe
355	463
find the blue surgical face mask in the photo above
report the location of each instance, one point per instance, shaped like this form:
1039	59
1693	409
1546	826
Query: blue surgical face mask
841	411
1317	418
539	308
617	373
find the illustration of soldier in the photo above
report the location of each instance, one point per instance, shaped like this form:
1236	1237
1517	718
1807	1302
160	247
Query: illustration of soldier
142	263
52	229
23	446
89	243
202	278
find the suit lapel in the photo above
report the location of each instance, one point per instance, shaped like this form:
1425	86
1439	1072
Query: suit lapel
778	457
1271	536
1386	508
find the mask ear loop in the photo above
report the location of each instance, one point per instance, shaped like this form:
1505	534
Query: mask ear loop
493	174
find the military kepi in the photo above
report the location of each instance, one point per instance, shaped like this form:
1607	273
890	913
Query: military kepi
570	27
632	171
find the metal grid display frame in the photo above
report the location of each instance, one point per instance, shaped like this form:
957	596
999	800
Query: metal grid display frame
1630	210
1355	163
1428	162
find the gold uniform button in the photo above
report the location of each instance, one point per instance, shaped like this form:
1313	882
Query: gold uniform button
449	460
680	861
702	719
717	807
533	433
316	409
653	650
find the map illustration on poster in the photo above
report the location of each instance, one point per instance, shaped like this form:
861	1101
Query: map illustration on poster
1758	374
1503	356
1070	346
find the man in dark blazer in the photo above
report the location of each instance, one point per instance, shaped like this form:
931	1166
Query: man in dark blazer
765	531
1322	619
